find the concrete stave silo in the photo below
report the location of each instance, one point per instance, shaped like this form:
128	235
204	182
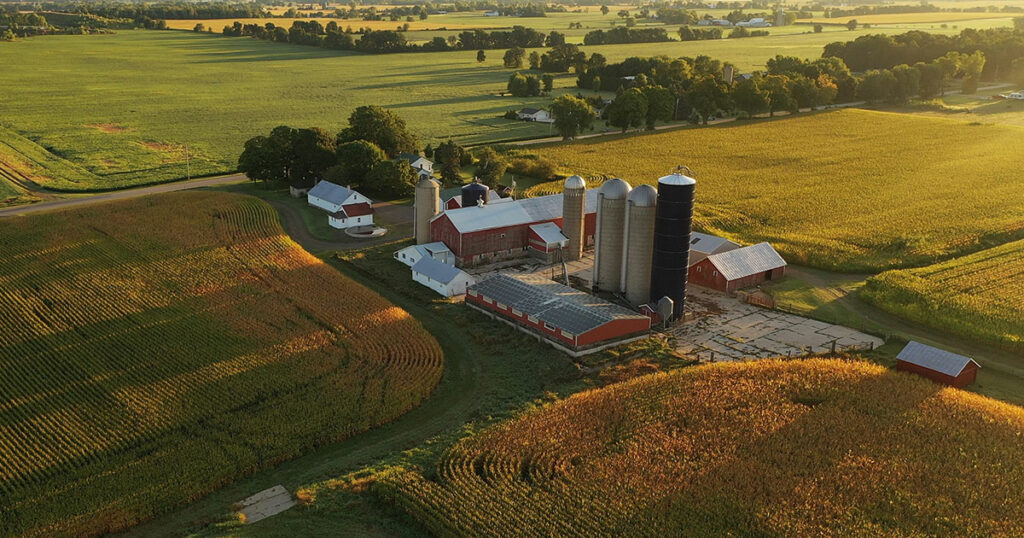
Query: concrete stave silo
641	207
672	228
427	205
573	215
609	236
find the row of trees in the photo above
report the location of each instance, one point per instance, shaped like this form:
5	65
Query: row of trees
362	155
925	80
520	85
1001	46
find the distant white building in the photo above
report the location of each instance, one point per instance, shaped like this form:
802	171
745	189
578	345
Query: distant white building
345	207
423	166
1015	95
447	280
535	114
756	22
491	13
436	250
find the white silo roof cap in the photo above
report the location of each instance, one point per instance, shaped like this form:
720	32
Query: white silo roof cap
575	182
644	196
676	178
428	182
615	189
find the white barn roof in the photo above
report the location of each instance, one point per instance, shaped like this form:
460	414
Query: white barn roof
563	307
933	358
550	233
707	243
747	261
435	270
518	212
335	194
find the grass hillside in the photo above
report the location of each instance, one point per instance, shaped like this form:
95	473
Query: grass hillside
155	349
851	190
801	448
976	296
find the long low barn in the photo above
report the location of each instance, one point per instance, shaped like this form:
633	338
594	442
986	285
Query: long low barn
571	320
497	231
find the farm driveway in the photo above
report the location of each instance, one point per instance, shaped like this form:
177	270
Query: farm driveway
734	330
396	218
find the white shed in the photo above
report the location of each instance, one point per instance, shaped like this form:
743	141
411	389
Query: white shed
535	114
436	250
445	279
331	197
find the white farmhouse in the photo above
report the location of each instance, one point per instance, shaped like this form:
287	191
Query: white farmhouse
491	13
345	207
423	166
436	250
756	22
445	279
535	114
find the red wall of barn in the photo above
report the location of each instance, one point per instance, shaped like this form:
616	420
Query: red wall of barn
442	229
490	241
706	277
614	329
523	318
966	377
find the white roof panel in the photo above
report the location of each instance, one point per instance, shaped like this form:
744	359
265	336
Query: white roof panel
325	190
707	243
933	358
747	261
550	233
515	213
435	270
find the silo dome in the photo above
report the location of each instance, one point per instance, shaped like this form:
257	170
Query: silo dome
675	178
614	189
575	182
643	196
427	182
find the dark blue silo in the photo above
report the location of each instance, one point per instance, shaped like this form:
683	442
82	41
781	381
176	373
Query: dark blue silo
472	193
673	223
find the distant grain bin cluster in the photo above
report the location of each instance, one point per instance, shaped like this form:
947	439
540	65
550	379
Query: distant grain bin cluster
642	241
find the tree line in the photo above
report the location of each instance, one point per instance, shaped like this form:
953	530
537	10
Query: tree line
1000	46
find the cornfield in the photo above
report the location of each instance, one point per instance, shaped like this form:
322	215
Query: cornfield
155	349
849	190
798	448
977	296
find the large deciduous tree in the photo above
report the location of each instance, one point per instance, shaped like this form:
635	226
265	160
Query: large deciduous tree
448	156
707	96
748	96
572	115
628	110
490	167
381	127
312	154
660	105
355	160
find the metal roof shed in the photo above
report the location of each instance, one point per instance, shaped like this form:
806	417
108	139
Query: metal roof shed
937	364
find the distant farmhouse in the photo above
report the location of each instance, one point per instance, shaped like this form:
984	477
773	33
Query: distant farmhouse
939	365
345	207
423	166
535	114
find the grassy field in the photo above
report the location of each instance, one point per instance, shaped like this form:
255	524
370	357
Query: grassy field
915	18
979	108
850	190
976	296
153	350
124	106
749	449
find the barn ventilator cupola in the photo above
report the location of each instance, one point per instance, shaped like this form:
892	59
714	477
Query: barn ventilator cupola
673	223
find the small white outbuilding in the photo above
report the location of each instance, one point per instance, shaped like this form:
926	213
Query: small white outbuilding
445	279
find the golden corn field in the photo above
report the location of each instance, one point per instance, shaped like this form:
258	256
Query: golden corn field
980	296
154	349
850	190
799	448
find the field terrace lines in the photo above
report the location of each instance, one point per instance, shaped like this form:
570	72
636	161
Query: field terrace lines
175	340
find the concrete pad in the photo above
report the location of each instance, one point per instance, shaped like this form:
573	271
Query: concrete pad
266	503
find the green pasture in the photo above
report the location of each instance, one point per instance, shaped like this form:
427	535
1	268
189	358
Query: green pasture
124	107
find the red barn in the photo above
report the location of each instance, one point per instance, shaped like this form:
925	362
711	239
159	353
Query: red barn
939	365
738	269
571	320
501	230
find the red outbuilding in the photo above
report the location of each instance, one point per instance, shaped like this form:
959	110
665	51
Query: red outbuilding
571	320
500	230
738	269
939	365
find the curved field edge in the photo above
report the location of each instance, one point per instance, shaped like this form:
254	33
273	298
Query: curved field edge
976	296
155	349
791	448
843	190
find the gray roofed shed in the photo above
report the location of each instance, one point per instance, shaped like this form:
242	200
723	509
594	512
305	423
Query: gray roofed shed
563	307
435	270
747	261
933	358
335	194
